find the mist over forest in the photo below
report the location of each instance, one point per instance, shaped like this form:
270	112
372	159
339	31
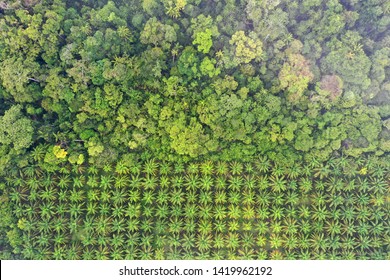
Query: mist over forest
268	88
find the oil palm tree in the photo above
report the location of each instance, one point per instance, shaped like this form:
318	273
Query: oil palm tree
33	196
318	198
164	181
107	168
149	182
236	168
118	196
78	181
132	239
76	209
263	199
363	228
116	254
234	197
221	168
250	182
102	253
263	164
162	196
248	213
349	199
319	242
206	182
121	168
76	195
177	196
93	170
305	185
133	225
189	225
39	152
175	225
147	226
292	198
235	183
249	168
47	210
176	211
121	181
334	245
64	181
234	211
204	242
322	171
165	168
294	171
278	170
59	253
335	200
248	197
232	240
262	182
220	197
205	197
277	213
220	226
162	211
275	241
278	199
134	196
379	185
205	226
192	168
148	197
93	181
44	226
207	168
117	211
219	241
333	227
191	196
59	224
135	182
219	212
278	184
191	181
105	196
234	225
177	181
16	196
205	211
190	210
188	241
220	182
135	168
150	167
32	183
107	181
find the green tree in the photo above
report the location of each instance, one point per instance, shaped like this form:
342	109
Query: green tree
246	48
16	131
295	76
203	40
158	34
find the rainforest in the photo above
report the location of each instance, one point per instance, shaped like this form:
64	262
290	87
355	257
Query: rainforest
194	129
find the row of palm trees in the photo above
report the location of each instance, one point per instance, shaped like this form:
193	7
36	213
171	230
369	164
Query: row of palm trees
157	210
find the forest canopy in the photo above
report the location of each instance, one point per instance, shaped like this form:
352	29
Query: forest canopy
182	80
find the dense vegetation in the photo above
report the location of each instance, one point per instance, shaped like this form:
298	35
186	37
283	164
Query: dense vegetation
202	210
194	129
